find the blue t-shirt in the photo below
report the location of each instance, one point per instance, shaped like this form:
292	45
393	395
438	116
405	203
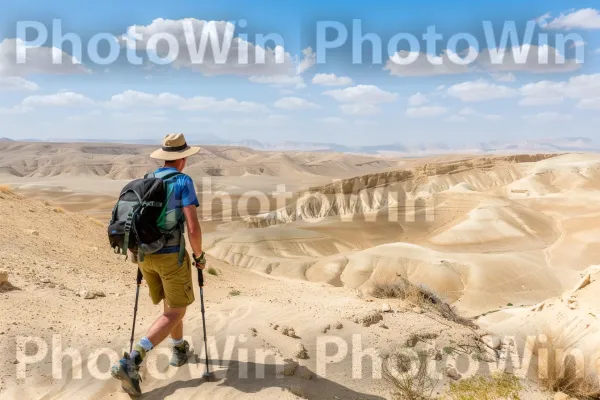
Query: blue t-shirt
184	195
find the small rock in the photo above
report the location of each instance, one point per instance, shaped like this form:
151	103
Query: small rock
386	308
45	280
99	294
301	352
15	362
288	331
417	310
339	326
275	327
384	326
561	396
253	331
326	328
87	295
452	373
32	232
3	277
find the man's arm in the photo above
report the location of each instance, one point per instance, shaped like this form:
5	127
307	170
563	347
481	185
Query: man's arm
193	230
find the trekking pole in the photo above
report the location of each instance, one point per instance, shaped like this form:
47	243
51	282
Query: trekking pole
137	296
201	283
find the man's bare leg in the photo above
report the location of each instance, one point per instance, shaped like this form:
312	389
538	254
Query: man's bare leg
170	321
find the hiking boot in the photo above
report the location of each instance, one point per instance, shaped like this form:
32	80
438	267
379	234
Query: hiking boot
180	354
128	373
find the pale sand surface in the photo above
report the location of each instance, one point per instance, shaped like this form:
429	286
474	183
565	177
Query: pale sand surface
495	236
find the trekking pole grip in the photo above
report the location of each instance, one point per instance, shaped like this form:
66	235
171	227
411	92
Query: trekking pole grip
200	278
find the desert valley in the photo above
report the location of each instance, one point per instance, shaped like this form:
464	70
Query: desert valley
471	260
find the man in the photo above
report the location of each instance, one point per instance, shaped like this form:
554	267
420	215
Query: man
168	272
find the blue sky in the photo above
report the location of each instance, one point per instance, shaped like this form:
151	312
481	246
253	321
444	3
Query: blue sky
300	99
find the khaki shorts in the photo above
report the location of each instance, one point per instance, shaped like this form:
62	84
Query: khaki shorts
168	280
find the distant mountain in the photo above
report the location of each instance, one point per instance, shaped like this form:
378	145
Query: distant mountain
5	139
566	144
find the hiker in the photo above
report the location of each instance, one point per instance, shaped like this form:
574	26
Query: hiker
168	272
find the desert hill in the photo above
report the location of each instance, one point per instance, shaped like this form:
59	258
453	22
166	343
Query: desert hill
64	281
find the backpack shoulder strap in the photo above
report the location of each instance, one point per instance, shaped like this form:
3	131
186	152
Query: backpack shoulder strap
171	175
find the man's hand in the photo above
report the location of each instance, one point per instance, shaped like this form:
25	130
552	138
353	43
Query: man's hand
200	261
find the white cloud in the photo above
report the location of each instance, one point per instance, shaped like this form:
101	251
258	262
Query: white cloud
587	18
417	100
309	60
541	101
132	98
546	117
427	111
548	92
19	109
241	58
295	103
135	99
61	99
589	104
280	80
542	93
367	94
17	83
331	80
227	105
480	90
360	109
38	60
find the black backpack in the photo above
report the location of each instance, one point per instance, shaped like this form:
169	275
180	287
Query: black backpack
138	217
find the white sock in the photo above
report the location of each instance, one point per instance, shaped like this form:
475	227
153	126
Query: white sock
176	343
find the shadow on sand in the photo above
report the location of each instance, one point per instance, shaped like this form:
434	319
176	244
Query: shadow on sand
316	388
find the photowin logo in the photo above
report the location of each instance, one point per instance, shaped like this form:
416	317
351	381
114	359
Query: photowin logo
192	43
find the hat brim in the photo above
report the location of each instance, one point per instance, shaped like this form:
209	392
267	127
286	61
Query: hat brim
160	154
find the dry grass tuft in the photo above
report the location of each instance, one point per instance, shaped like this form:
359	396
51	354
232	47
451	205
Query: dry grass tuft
418	295
563	367
409	376
213	271
495	387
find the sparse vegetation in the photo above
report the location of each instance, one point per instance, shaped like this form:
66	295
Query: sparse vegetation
235	293
496	387
418	295
565	369
213	271
409	376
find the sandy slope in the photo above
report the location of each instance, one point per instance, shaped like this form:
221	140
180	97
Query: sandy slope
67	253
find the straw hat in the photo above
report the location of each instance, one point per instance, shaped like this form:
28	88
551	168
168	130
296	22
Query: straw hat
174	148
